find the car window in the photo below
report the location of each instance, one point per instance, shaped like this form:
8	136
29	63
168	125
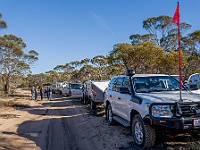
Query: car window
111	85
155	84
119	84
76	86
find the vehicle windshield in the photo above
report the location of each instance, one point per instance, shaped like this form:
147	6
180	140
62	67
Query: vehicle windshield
155	84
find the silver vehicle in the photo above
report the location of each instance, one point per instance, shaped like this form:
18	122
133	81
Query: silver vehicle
148	103
193	83
75	90
72	90
65	90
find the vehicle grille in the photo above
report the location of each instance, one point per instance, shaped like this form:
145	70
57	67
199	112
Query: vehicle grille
190	109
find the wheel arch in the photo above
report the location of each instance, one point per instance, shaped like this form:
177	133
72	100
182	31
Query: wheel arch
132	114
147	119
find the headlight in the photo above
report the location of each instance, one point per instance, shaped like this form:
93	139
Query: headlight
161	111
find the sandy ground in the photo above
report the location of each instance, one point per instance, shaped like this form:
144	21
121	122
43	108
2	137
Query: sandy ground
67	124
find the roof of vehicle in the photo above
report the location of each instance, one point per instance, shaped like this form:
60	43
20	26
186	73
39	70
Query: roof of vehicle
76	83
143	75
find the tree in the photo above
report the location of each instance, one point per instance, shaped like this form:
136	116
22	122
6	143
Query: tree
87	72
14	61
120	55
100	62
137	38
3	24
163	31
147	57
191	46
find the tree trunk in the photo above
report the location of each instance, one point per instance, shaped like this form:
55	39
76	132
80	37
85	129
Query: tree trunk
7	85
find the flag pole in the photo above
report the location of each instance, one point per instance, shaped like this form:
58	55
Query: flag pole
180	60
176	20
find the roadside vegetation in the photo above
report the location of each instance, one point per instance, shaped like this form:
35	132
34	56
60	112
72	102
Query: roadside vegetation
153	52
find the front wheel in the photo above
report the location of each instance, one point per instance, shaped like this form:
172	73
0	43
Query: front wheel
109	115
144	135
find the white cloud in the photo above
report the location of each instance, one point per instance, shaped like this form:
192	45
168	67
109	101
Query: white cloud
101	22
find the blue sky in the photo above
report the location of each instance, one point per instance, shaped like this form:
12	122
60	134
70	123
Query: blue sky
62	31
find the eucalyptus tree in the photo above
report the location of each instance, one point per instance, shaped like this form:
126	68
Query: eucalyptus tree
68	68
64	71
3	24
101	63
191	46
14	61
59	68
120	56
85	69
161	30
147	57
85	61
137	38
87	72
191	43
53	76
75	64
76	76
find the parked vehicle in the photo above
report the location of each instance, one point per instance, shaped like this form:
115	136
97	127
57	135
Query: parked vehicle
72	90
57	87
193	83
75	90
93	92
65	90
86	91
150	103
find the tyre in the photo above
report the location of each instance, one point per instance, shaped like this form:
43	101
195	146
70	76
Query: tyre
109	115
144	135
85	100
92	104
82	99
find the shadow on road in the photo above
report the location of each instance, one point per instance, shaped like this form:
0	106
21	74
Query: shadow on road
50	127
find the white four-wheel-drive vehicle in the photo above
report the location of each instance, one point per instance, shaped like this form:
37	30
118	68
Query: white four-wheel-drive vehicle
149	103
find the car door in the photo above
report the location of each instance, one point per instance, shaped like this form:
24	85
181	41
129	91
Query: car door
122	99
76	90
110	94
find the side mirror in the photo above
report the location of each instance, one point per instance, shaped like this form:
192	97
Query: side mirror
130	72
124	90
193	87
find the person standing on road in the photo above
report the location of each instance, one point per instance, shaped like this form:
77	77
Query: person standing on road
47	91
50	93
33	93
41	92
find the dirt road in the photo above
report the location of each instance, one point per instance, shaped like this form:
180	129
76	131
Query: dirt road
65	124
61	124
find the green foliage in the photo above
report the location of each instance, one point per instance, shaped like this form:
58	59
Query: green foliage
14	62
153	52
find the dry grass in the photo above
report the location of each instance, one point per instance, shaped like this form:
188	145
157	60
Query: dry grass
13	104
14	100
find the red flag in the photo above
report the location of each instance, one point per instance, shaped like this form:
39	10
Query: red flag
176	18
